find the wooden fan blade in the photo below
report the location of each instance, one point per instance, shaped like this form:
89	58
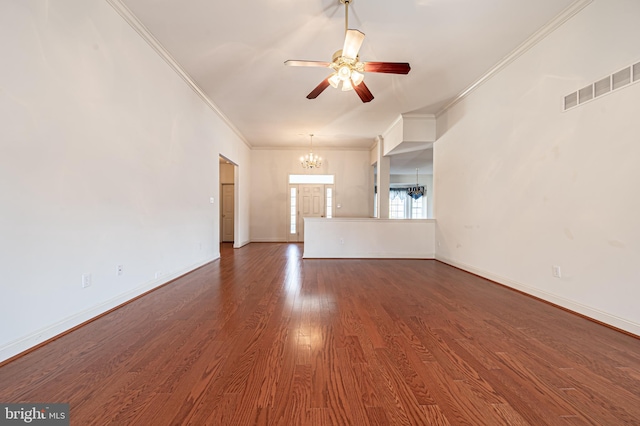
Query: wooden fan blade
319	89
363	91
388	67
352	42
306	63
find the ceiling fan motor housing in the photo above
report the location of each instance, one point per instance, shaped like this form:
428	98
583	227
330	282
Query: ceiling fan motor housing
338	60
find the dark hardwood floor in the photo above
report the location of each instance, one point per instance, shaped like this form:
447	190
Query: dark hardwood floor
264	337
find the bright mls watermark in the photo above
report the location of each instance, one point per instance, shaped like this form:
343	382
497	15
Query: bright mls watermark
34	414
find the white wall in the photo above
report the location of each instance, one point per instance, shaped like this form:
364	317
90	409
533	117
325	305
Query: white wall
107	158
269	187
522	186
340	238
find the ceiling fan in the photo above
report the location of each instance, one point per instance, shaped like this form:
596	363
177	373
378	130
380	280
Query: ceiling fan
348	71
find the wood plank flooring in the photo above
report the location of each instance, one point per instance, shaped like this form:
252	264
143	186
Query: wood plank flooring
262	337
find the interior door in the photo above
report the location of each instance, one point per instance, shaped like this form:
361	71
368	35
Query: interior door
311	205
227	212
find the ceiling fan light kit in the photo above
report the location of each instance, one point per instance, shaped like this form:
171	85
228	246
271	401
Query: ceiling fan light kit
348	71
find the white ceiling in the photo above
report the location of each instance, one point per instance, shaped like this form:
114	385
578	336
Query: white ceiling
235	52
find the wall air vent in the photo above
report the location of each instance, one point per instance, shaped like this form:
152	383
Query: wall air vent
602	86
585	94
615	81
570	100
621	78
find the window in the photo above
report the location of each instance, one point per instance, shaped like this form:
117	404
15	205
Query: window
375	204
293	211
416	208
311	179
402	206
396	208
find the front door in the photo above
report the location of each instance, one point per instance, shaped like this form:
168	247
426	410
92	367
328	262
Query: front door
311	205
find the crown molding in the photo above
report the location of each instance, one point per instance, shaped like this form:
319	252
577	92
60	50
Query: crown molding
405	116
316	147
538	36
397	120
139	27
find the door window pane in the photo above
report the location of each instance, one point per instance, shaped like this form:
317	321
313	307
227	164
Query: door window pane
293	209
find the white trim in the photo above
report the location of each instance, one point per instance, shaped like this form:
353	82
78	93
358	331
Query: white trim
588	311
42	335
315	145
139	27
376	255
407	116
538	36
242	244
310	179
398	119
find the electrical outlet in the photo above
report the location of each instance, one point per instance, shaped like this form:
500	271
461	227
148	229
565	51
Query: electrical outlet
341	240
86	280
119	270
158	274
555	270
211	200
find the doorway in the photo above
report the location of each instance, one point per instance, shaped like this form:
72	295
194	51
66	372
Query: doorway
227	212
311	205
227	201
309	196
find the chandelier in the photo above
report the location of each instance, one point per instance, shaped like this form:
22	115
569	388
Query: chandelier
311	161
417	191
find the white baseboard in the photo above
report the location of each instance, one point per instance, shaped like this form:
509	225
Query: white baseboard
241	244
364	255
27	342
587	311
